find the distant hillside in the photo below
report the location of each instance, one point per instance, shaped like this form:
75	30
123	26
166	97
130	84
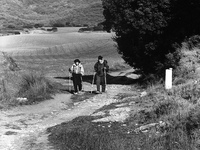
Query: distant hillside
48	12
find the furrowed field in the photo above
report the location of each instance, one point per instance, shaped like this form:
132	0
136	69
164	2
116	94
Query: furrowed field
53	53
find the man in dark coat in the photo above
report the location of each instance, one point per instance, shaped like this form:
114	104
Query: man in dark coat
101	68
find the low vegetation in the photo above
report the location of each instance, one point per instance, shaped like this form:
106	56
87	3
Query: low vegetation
35	87
91	29
175	114
50	13
23	87
161	119
20	86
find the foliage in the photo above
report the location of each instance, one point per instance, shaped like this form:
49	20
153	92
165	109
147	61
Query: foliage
43	12
193	42
58	25
148	33
38	25
189	64
178	81
68	24
54	29
179	132
35	87
94	28
28	26
11	26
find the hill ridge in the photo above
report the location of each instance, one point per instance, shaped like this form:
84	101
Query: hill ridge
49	12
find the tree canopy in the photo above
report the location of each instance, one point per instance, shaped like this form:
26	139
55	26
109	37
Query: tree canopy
149	31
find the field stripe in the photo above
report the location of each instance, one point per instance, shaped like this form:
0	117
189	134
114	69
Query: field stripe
89	49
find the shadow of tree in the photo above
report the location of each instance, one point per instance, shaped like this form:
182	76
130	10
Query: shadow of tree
123	80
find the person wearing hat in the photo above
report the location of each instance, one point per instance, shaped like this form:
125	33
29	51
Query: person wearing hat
77	71
101	68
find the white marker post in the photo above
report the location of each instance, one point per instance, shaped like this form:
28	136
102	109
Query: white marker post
168	78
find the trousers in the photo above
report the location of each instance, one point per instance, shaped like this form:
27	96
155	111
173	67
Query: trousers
77	82
100	81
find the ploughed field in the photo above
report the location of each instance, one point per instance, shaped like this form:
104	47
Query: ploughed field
53	53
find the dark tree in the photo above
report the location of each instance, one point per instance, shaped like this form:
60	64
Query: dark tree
68	24
149	31
11	26
38	25
58	24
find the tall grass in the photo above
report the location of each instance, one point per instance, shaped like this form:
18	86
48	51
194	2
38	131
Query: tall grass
32	87
35	87
179	108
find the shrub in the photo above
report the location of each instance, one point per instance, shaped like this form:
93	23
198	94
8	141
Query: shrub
38	25
11	26
67	24
165	107
58	25
98	28
17	32
28	26
85	29
184	130
193	42
178	81
77	25
43	29
185	71
150	80
85	25
54	29
94	28
35	87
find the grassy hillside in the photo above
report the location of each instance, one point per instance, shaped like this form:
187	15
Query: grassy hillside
48	12
51	52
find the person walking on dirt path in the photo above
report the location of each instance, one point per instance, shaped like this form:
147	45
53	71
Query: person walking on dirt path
77	71
101	68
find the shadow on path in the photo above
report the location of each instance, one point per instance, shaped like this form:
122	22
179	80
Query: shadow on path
123	80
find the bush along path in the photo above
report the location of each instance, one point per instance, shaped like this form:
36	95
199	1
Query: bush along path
24	127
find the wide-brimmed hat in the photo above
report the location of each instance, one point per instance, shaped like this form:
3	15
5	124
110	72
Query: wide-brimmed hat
77	60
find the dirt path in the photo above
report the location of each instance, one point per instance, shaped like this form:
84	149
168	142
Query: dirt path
24	127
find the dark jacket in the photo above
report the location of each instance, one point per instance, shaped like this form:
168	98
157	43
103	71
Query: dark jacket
101	69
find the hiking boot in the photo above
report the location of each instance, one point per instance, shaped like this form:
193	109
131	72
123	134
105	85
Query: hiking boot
98	92
80	92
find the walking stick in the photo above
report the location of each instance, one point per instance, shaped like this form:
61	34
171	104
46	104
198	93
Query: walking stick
69	82
82	83
105	81
92	81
